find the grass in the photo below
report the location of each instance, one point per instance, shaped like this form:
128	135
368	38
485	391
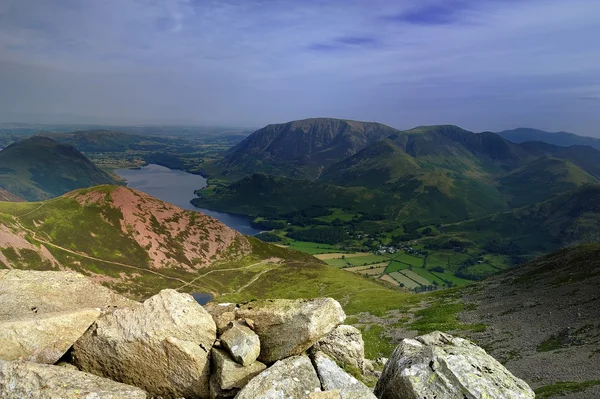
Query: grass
366	260
411	260
376	344
312	248
563	388
395	266
441	315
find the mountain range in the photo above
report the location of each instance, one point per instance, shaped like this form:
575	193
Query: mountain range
522	134
434	174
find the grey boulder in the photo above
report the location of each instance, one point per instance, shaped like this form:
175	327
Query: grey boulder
291	378
346	346
40	381
242	343
289	327
161	346
440	365
332	377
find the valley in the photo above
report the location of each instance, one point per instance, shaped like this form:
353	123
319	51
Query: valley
408	241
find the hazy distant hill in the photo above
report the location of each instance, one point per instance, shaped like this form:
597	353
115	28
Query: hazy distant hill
301	149
102	140
565	139
40	168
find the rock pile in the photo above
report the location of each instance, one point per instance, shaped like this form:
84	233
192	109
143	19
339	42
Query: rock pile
95	343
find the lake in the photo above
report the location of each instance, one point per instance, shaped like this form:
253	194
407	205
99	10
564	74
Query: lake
177	187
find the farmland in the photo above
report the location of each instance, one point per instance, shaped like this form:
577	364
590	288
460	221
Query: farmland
411	271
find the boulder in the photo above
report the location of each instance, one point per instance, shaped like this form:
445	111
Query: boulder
440	365
335	394
289	327
32	293
40	381
44	313
242	343
345	345
222	314
161	346
291	378
232	375
332	377
44	339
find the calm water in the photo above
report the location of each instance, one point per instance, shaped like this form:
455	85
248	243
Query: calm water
177	187
202	298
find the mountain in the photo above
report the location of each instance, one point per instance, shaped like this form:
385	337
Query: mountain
542	321
565	139
430	174
102	140
40	168
9	197
301	149
566	219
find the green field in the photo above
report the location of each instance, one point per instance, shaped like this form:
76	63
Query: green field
403	279
311	248
337	262
410	259
366	260
395	266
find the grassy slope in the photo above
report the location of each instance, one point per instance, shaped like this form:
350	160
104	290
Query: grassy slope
39	168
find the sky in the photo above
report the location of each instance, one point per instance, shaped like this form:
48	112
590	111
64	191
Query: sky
480	64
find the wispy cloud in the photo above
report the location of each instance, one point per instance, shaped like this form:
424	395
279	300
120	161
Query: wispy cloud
484	64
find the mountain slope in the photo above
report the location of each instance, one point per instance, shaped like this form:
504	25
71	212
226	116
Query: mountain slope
543	319
301	149
564	139
9	197
566	219
40	168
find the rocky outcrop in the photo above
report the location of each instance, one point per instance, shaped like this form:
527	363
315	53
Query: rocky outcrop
345	345
40	381
162	346
242	343
438	365
291	378
171	347
332	377
44	313
289	327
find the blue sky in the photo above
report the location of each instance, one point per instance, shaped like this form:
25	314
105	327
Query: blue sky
480	64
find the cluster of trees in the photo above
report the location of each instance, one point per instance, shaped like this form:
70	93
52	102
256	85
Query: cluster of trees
503	248
268	237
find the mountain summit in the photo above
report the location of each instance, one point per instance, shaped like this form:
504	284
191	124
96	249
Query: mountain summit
303	148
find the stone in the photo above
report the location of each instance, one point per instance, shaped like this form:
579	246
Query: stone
31	293
44	339
222	314
242	343
333	377
40	381
231	375
440	365
161	346
335	394
345	345
291	378
289	327
44	313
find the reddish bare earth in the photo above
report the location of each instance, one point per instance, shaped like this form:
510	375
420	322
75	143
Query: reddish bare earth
173	237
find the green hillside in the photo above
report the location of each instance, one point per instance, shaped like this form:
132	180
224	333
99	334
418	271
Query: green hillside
40	168
565	139
566	219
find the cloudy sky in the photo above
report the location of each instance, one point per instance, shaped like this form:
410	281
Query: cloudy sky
480	64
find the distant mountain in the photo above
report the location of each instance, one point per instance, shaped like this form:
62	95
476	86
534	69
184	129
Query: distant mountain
565	139
301	149
39	168
102	140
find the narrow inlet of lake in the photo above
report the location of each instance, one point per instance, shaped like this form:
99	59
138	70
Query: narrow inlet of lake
177	187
